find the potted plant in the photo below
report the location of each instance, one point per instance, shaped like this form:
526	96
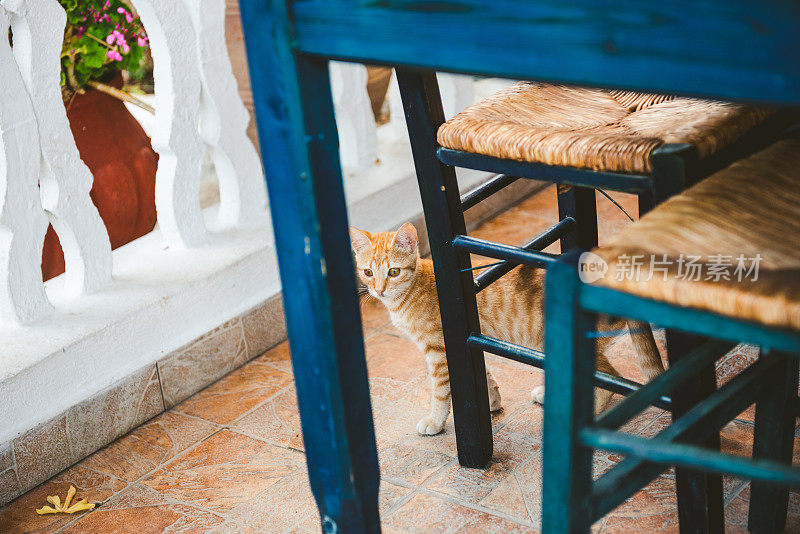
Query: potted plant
104	39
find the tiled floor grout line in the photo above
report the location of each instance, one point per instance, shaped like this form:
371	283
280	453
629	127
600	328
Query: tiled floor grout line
475	506
262	403
101	503
263	439
735	493
524	500
161	388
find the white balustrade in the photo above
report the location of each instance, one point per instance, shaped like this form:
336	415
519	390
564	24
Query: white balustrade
197	111
43	180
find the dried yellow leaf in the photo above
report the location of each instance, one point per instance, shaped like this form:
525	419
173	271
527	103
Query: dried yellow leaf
57	507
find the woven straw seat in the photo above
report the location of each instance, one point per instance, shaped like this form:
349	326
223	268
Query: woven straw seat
749	209
598	129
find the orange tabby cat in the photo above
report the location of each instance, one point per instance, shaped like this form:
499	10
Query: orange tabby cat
510	309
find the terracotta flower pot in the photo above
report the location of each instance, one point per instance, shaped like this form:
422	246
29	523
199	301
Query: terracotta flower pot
118	152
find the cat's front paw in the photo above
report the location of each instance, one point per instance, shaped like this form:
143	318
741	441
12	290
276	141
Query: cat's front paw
428	426
537	394
495	402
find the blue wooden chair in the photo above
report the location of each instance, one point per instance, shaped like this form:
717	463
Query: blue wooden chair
740	284
579	138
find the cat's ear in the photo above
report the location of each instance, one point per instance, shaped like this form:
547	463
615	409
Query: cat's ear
405	239
360	240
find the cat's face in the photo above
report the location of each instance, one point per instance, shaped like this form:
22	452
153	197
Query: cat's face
386	261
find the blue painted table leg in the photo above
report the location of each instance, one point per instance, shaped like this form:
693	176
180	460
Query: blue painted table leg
700	506
568	404
774	440
444	218
300	151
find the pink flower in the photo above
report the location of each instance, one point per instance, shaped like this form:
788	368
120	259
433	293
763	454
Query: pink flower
142	41
129	17
126	48
121	10
111	38
114	55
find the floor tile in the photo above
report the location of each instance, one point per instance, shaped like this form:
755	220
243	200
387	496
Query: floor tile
425	513
392	496
281	506
236	394
654	509
277	421
20	515
374	315
514	227
409	464
149	446
472	485
508	498
278	356
397	370
224	471
142	511
737	510
543	204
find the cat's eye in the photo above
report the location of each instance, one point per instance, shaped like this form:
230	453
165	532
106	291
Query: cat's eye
394	271
367	272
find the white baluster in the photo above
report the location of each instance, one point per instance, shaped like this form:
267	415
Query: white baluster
457	92
177	102
22	219
224	120
358	141
397	116
65	180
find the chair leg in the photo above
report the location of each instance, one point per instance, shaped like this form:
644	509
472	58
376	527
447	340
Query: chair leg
674	168
444	218
580	204
700	503
569	403
774	440
646	203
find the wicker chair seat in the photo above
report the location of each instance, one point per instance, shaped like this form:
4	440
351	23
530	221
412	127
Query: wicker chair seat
748	210
598	129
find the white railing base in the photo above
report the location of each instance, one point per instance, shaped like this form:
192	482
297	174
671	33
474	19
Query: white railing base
159	299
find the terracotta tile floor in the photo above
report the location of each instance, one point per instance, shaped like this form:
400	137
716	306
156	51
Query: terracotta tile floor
230	458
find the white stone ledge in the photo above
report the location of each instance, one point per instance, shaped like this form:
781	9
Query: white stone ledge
159	300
